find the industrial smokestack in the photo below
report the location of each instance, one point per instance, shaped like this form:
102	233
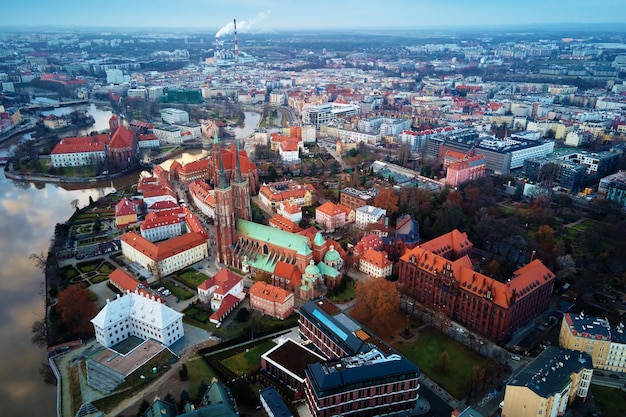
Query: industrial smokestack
217	47
236	42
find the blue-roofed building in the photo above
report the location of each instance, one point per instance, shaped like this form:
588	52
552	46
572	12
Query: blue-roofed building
550	383
273	404
363	376
366	384
332	331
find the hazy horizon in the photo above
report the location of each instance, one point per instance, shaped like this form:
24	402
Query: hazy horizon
262	16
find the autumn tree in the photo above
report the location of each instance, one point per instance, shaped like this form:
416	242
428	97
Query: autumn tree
263	277
76	309
388	200
376	303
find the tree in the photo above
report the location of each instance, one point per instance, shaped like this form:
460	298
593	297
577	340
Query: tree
443	362
183	373
243	315
202	389
271	173
184	397
40	333
143	407
388	200
169	398
376	303
263	276
76	309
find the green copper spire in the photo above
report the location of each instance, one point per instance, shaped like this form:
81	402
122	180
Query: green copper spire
216	140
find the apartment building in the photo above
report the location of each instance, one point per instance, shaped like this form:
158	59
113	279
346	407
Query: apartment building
549	384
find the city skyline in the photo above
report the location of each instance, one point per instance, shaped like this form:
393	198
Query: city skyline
272	15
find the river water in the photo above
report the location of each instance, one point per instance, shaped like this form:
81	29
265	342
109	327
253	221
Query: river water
29	213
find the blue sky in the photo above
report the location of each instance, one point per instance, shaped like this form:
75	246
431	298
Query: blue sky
309	14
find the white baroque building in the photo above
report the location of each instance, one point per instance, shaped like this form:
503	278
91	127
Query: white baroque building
168	256
136	315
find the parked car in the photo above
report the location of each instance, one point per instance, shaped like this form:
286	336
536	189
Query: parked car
613	376
516	358
598	373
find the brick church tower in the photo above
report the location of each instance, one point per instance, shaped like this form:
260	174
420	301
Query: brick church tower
232	202
241	192
224	218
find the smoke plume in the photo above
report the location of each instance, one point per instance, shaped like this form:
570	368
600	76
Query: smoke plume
243	26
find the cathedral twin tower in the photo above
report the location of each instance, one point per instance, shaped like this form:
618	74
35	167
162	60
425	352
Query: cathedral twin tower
232	201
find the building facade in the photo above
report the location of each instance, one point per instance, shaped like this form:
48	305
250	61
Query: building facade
271	301
136	315
549	384
439	275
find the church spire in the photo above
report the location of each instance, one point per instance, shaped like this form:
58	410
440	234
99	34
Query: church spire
222	183
238	166
216	140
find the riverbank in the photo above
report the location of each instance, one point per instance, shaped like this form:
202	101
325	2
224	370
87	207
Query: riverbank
55	179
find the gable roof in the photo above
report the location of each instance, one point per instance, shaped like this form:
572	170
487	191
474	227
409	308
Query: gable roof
274	236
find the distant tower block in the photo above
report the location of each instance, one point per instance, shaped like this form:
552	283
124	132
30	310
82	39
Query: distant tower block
236	41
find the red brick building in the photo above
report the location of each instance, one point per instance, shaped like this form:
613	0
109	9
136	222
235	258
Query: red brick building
439	275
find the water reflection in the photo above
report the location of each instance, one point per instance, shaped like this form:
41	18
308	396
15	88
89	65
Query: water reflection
28	219
100	114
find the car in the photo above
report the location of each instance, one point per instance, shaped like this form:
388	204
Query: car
167	293
598	373
613	376
218	325
516	358
161	289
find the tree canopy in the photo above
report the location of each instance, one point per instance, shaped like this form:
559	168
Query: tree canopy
76	309
377	302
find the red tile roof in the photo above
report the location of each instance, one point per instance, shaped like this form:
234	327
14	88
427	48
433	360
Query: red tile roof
120	279
269	292
378	259
165	249
122	138
330	209
289	272
228	303
124	208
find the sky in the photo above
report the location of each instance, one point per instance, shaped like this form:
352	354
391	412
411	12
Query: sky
277	15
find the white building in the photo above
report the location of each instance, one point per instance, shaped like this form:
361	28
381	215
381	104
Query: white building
168	133
355	136
308	134
375	264
157	227
174	116
136	315
155	93
139	93
277	99
290	211
367	215
289	152
320	114
165	257
415	140
222	284
192	128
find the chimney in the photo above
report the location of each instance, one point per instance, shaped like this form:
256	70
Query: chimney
236	42
217	47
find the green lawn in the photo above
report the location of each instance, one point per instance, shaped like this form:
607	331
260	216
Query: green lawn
190	277
249	359
178	291
89	266
106	268
612	401
425	353
198	371
346	295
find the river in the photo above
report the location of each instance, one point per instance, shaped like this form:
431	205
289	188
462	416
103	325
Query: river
29	213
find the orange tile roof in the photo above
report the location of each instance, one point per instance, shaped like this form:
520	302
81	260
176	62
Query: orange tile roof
153	220
124	208
94	143
454	240
122	138
288	271
291	208
330	209
163	250
378	259
269	292
284	224
125	282
224	279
